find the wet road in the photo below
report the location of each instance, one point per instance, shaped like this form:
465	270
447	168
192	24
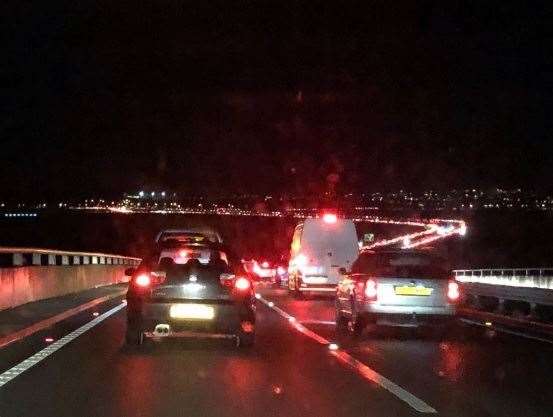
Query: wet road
474	372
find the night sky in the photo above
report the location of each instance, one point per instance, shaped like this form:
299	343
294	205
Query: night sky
104	97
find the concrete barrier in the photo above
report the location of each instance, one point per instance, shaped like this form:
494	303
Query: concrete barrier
25	281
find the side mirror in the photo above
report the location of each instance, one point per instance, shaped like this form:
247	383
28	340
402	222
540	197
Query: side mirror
130	272
343	271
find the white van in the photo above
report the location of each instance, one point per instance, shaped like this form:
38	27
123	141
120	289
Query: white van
320	247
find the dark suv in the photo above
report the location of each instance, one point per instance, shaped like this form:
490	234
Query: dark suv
194	299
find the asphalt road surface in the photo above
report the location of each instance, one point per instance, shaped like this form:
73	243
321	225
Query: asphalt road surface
290	372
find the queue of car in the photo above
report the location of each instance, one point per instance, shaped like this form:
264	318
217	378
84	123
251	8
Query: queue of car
194	286
267	271
387	287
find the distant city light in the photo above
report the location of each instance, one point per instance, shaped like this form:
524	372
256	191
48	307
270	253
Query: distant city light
20	214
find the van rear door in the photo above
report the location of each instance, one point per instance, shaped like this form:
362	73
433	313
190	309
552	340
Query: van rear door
330	246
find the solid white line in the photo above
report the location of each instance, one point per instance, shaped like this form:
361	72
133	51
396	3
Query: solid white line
507	331
325	322
366	372
50	321
38	357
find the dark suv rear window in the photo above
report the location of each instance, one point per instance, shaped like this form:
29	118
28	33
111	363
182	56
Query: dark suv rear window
204	273
401	265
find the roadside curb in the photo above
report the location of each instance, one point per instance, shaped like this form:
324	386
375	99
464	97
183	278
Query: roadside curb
43	324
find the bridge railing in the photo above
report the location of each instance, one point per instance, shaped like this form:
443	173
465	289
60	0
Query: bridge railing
32	274
533	286
17	257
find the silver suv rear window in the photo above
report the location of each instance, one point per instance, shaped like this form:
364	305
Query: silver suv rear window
401	265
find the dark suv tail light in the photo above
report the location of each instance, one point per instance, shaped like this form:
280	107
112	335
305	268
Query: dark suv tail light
143	280
147	279
242	284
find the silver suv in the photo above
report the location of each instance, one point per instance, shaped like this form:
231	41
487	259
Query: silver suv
401	287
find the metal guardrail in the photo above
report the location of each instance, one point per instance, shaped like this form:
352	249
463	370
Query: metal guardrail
17	257
530	285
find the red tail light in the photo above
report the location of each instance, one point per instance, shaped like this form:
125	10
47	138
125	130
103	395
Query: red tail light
330	218
242	284
148	279
371	292
453	291
143	280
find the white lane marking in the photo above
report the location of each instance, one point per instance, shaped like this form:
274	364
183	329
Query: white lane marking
370	374
366	372
50	321
325	322
507	331
38	357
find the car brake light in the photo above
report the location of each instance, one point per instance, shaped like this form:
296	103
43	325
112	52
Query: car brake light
281	270
265	264
370	290
183	253
242	284
330	218
453	291
143	280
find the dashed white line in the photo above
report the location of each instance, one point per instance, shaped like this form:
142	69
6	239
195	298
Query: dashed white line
21	367
363	370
